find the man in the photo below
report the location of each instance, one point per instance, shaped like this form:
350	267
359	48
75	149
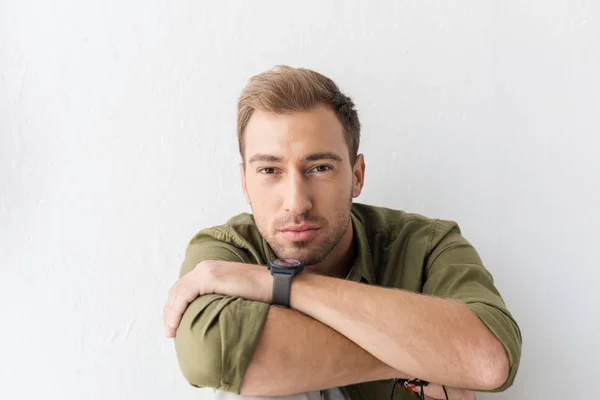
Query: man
360	295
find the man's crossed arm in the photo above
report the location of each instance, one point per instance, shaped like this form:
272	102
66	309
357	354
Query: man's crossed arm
367	332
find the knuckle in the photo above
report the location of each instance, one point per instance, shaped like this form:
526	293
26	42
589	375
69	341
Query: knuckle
207	269
203	264
174	289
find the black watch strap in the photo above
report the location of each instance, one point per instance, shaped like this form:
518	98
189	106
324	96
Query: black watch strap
282	284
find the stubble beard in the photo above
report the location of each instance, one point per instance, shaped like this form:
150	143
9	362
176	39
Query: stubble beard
299	249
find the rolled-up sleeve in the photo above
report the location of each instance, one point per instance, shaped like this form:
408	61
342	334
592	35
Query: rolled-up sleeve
217	334
455	271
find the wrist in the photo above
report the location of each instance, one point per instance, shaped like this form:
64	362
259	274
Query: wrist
284	271
302	287
265	284
248	281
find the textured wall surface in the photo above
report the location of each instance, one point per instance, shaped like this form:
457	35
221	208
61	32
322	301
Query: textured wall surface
117	143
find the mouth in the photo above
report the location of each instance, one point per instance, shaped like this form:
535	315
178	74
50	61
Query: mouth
300	233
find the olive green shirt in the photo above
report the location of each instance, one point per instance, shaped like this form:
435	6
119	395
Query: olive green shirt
218	334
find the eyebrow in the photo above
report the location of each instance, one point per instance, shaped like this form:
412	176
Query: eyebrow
322	156
311	157
264	157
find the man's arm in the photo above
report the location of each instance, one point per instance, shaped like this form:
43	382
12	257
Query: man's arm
218	333
222	339
435	339
252	348
297	354
458	332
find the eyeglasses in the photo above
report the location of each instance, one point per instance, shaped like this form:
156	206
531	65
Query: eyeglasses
412	385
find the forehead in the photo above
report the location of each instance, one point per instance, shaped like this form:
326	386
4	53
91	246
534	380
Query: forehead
295	134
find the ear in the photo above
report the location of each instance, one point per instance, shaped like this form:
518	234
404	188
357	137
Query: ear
243	177
358	175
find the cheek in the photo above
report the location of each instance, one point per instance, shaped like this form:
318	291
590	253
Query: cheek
264	205
334	191
328	203
263	199
255	192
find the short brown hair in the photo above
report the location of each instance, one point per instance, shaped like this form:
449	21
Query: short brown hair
286	89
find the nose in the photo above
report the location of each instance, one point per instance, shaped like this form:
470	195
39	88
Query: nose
296	196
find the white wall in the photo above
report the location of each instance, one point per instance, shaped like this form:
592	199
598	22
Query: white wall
117	143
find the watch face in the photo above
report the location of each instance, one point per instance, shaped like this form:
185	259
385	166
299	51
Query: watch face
286	262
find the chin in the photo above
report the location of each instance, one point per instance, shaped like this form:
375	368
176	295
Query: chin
309	253
298	255
309	258
303	255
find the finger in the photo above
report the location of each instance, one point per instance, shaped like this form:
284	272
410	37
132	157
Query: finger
169	332
167	310
436	391
177	305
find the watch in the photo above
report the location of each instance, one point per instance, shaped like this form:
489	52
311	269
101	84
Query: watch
283	271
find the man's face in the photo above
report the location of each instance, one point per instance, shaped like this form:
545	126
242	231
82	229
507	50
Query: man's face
299	182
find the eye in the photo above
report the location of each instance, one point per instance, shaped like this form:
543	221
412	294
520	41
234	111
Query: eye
266	171
322	168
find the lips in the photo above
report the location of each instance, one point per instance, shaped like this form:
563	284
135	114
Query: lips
300	233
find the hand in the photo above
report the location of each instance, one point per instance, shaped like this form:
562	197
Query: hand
250	281
435	392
